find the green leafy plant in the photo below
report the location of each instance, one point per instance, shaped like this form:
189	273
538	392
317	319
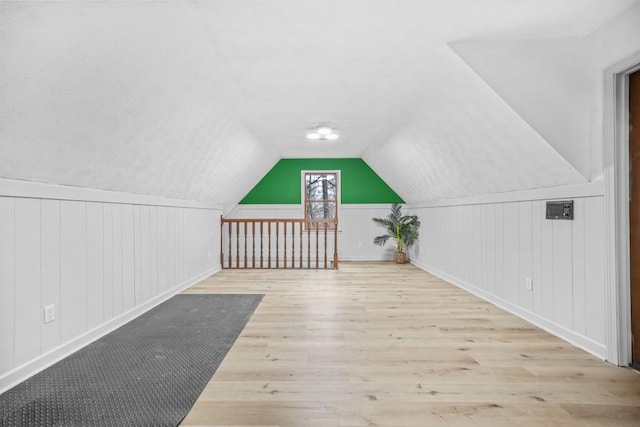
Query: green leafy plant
403	228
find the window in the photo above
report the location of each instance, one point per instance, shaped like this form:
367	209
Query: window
320	198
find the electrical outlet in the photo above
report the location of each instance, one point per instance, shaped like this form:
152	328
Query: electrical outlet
528	284
49	313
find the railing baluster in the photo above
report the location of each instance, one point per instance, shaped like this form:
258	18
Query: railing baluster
335	243
277	244
301	233
230	224
237	245
317	238
261	237
253	241
309	245
325	245
269	261
245	244
284	226
293	244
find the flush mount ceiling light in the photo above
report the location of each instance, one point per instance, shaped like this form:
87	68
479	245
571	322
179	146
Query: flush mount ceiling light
322	133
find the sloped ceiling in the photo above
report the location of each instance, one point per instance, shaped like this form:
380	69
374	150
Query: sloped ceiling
198	99
544	81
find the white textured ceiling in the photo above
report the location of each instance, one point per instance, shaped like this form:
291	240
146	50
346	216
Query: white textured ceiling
199	99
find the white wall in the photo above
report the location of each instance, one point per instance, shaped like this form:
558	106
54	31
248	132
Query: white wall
489	245
101	258
356	230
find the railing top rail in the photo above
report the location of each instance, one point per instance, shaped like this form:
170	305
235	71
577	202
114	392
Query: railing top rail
299	220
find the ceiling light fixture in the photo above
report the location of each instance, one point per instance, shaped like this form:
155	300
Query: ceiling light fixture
322	133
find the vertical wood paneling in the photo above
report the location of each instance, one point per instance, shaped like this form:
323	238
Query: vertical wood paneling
7	288
490	263
184	242
145	254
483	246
499	245
194	241
171	247
95	264
453	263
50	277
163	282
536	255
511	256
153	251
477	244
179	246
216	240
107	290
562	273
128	258
546	268
499	288
594	268
525	251
28	318
578	264
465	239
117	260
82	258
73	269
137	254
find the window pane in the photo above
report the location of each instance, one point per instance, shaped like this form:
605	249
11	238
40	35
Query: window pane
320	210
321	186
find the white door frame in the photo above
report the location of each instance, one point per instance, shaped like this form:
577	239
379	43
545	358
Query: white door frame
616	170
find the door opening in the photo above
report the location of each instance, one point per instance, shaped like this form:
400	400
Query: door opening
634	213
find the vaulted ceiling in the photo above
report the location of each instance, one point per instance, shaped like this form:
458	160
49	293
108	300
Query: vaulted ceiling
198	99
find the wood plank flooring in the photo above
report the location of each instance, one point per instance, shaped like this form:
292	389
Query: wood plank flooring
380	344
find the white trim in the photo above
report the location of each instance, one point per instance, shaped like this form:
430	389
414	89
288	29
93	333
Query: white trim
21	373
252	207
365	258
616	168
38	190
354	206
273	207
588	189
580	341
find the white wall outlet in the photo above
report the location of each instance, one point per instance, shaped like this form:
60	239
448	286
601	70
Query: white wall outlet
49	313
528	284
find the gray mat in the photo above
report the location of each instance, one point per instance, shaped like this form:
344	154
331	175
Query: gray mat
149	372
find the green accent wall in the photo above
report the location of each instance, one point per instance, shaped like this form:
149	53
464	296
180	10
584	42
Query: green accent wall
359	183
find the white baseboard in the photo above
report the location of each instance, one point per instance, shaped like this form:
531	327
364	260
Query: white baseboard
22	372
364	258
587	344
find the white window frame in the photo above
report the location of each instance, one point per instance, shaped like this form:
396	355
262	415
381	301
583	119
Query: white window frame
303	185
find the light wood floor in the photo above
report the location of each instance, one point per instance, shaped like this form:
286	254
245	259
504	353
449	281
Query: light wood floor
377	344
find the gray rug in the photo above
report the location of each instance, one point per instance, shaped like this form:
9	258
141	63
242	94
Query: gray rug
149	372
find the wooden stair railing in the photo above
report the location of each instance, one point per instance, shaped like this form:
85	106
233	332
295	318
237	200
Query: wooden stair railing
244	236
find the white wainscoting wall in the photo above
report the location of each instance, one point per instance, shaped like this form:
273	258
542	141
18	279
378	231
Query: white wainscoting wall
102	258
356	230
490	245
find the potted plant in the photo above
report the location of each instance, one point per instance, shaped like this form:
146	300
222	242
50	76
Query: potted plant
403	228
